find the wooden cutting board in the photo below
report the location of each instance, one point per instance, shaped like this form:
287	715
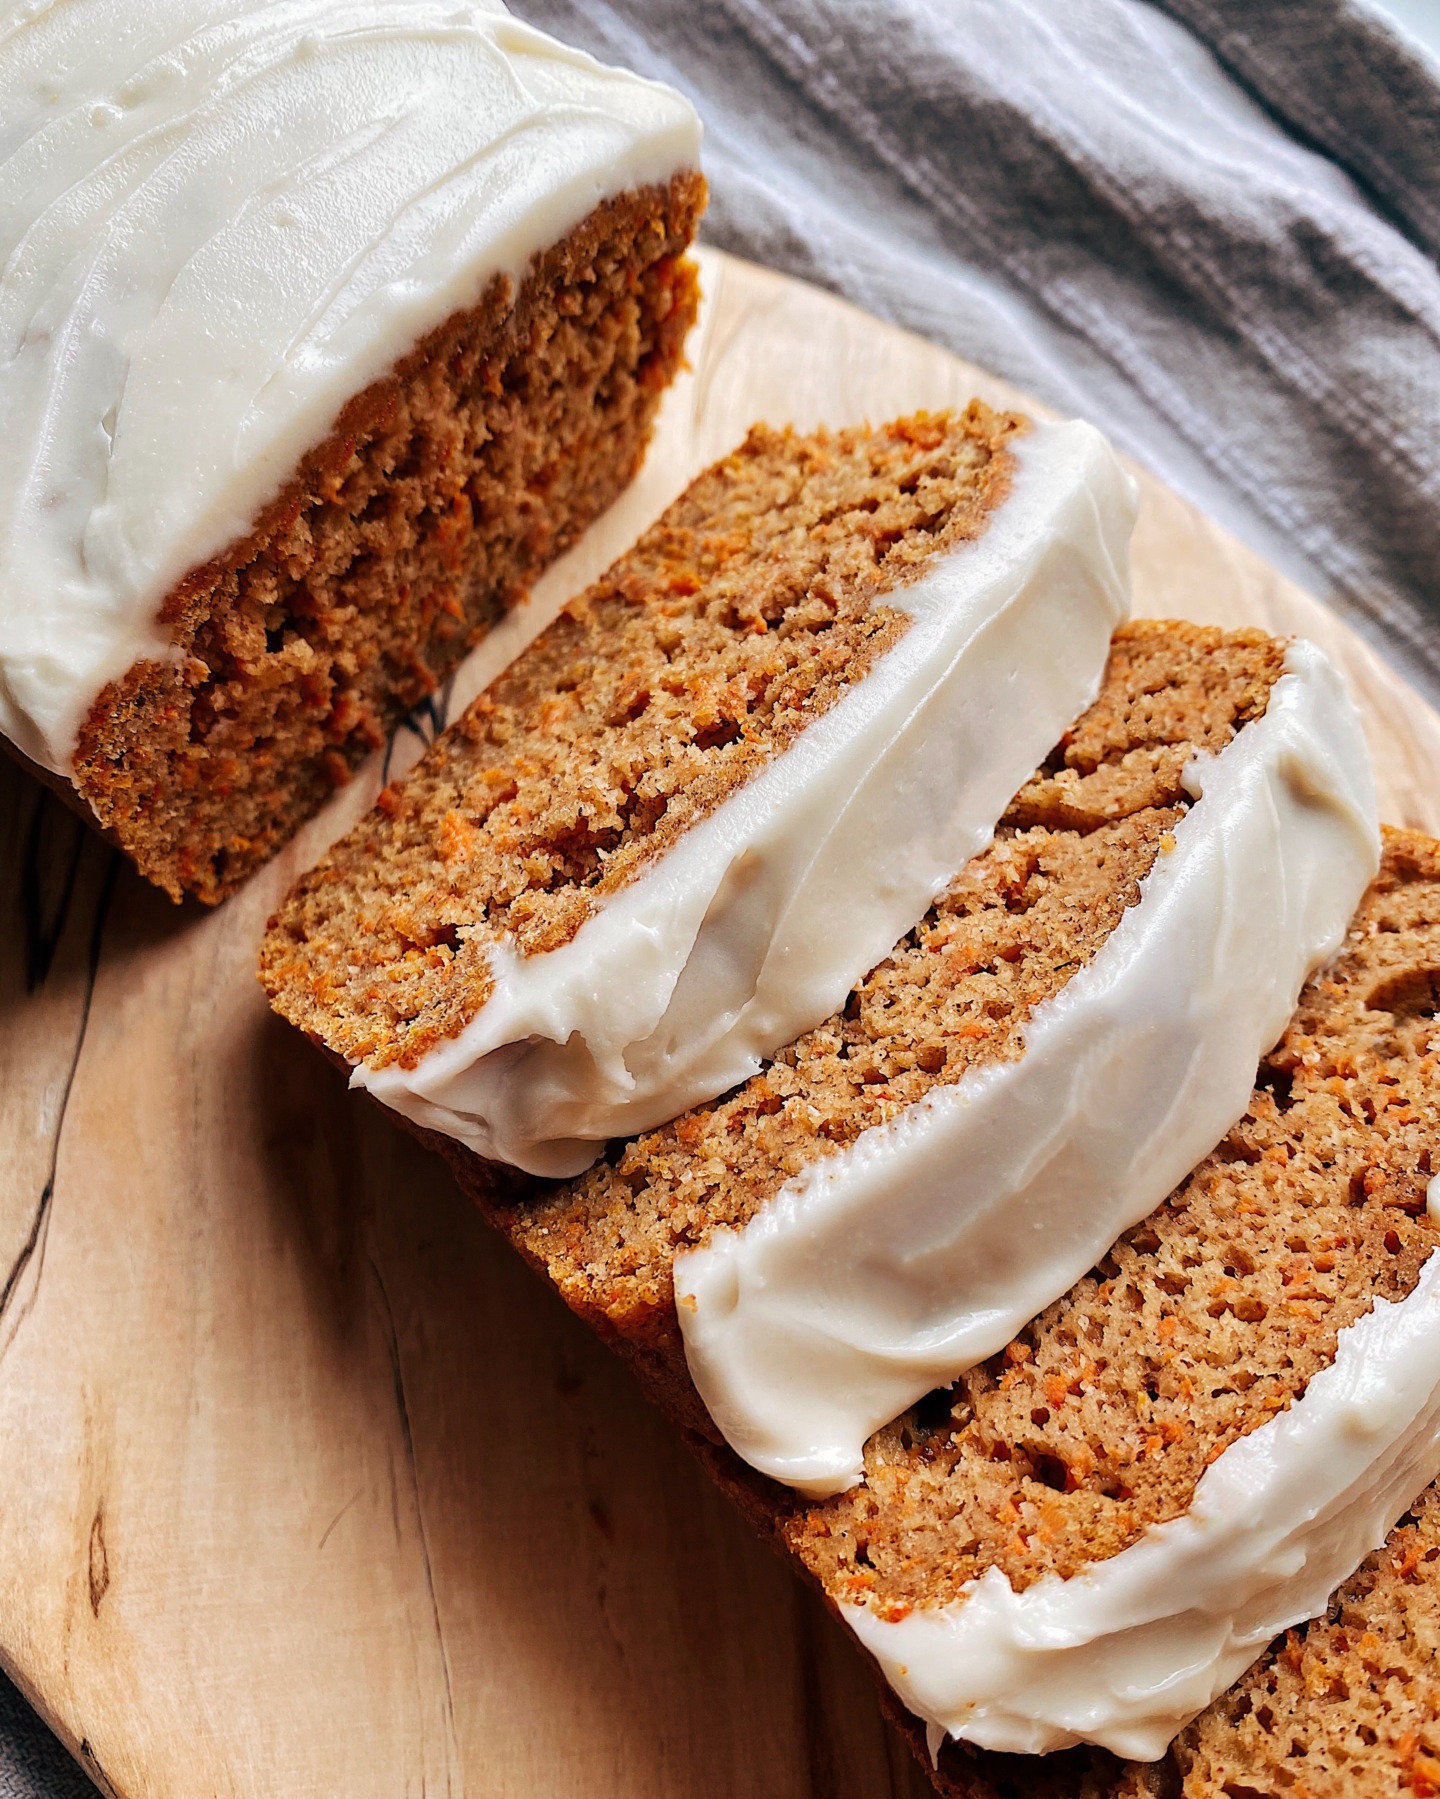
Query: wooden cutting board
306	1485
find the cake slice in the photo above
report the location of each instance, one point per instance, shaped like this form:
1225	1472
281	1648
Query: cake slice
322	332
1345	1705
1212	1322
900	1254
675	832
906	1184
1198	1333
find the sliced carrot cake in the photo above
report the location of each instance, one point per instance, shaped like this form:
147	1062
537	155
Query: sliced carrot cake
322	331
1131	1513
707	799
1096	1509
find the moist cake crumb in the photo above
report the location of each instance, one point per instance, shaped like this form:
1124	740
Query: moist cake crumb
738	619
1199	1325
1345	1705
443	491
1008	933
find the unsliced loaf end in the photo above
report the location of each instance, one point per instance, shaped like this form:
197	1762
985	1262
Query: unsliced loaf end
442	492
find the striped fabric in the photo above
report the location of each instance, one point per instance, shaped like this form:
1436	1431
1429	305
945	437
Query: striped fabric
1211	229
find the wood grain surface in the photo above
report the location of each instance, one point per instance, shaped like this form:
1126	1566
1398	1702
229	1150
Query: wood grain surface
306	1486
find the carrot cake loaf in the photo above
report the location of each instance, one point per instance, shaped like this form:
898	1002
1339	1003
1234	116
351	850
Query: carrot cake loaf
323	329
1101	1512
705	801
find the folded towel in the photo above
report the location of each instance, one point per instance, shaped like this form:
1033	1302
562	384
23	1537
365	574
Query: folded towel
32	1763
1216	238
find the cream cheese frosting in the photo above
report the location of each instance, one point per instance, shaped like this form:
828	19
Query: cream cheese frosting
1127	1652
758	922
892	1266
220	220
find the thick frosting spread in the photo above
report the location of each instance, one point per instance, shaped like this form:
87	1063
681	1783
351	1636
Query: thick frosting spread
759	921
220	220
890	1267
1127	1652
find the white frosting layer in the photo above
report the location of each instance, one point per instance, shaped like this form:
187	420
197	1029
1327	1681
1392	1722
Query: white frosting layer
219	220
1126	1653
891	1267
759	921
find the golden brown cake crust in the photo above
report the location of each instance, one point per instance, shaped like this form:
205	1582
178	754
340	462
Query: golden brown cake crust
733	623
442	492
1198	1326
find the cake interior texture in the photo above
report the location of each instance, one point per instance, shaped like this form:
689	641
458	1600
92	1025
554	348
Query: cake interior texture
1008	933
442	492
758	598
1201	1323
1198	1326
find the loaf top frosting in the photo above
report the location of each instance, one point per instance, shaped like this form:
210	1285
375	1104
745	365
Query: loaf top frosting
219	221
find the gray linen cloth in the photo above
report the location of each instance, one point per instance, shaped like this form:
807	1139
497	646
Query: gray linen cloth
1213	229
1216	242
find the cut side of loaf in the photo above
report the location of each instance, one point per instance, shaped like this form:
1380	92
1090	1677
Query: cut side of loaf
956	993
440	495
1200	1324
744	614
1322	1185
